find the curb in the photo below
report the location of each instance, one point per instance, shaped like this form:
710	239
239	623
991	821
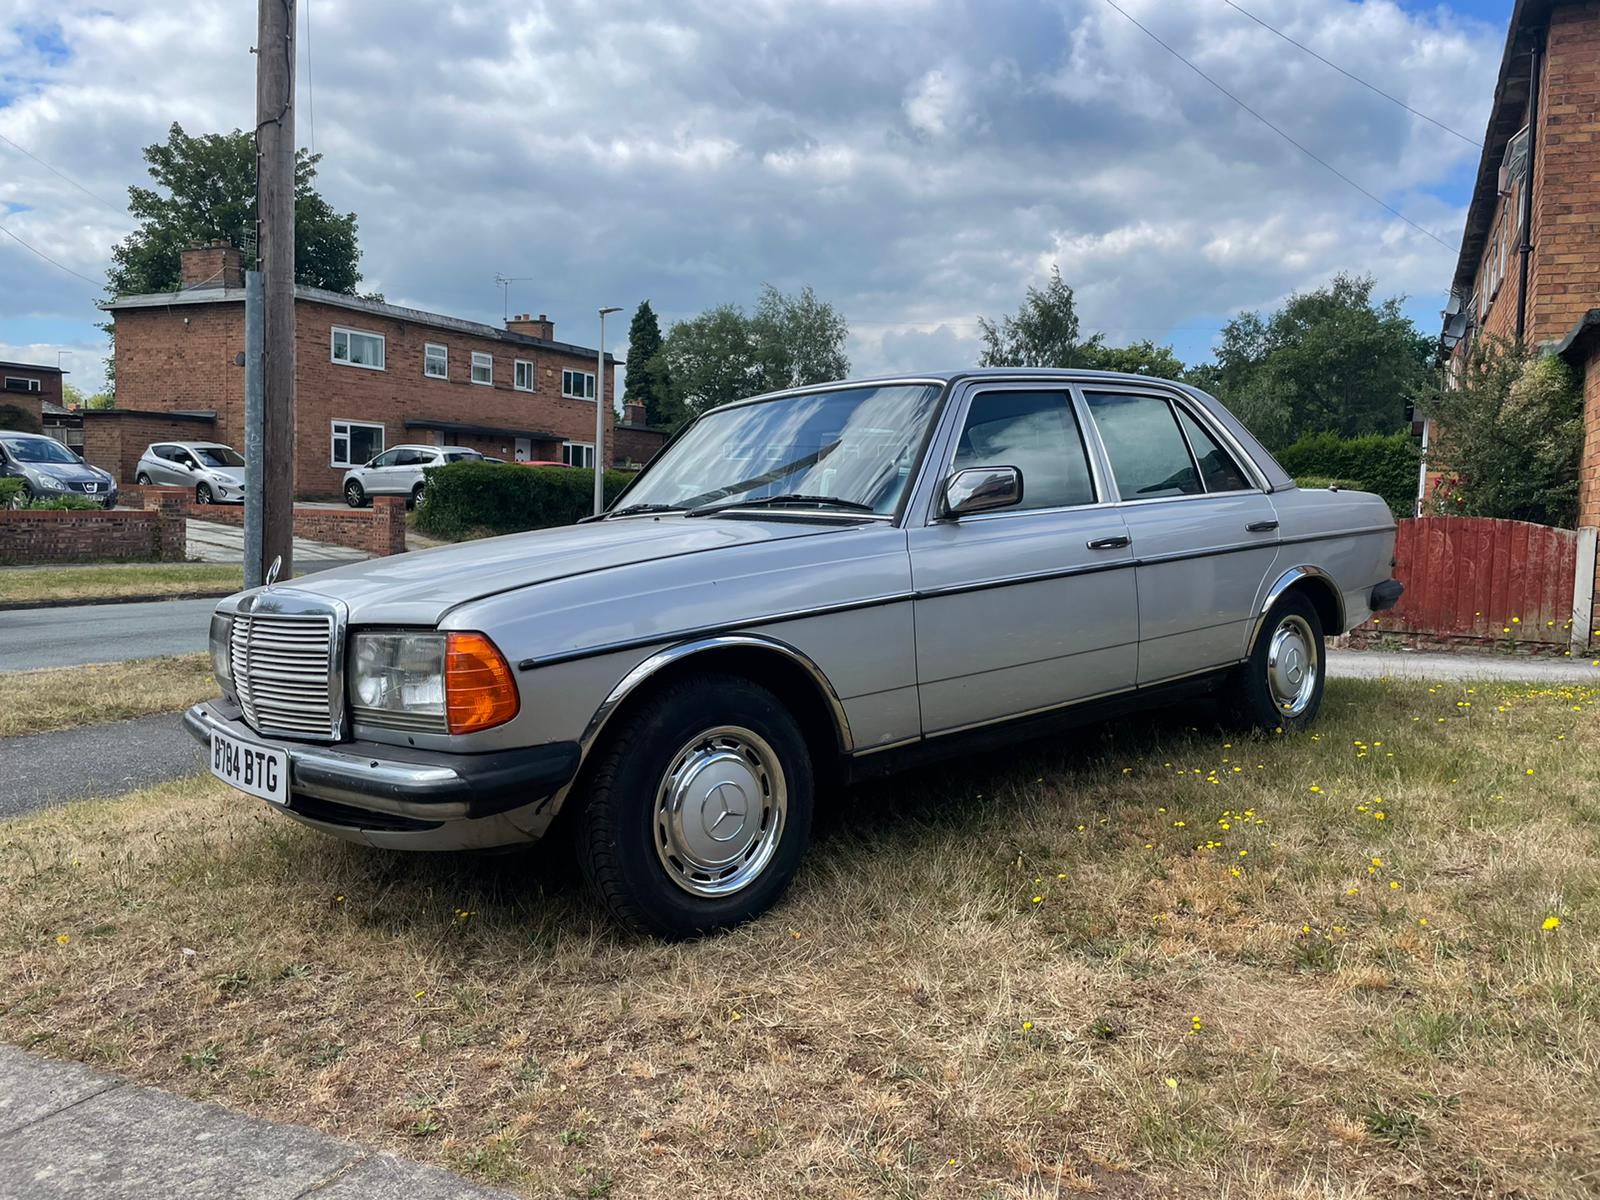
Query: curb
85	601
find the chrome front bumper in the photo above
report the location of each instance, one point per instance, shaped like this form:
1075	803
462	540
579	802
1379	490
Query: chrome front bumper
402	797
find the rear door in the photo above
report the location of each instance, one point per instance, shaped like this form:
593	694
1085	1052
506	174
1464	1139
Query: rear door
1204	532
1032	607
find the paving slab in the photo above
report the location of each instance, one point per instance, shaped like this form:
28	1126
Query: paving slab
31	1088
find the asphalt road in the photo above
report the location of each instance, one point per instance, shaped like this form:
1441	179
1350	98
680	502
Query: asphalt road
94	633
96	760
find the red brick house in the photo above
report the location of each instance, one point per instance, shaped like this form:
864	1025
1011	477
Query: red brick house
367	375
1535	211
30	387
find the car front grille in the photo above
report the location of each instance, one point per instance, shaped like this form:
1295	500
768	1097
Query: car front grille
284	675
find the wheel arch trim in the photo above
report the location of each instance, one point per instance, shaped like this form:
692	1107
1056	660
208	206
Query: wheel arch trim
1306	574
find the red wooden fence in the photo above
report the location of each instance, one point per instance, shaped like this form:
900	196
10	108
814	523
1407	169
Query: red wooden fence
1478	577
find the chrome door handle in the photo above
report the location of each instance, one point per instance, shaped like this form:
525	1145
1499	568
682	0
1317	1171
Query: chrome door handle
1261	526
1111	543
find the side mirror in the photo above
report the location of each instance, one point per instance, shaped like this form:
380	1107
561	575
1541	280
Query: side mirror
979	489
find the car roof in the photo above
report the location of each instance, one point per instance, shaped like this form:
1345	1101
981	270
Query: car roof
22	433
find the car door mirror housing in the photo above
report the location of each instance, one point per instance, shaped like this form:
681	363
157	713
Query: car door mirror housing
981	489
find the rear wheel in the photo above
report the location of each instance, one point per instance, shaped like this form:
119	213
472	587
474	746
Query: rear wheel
416	496
354	495
202	493
698	808
142	479
1280	685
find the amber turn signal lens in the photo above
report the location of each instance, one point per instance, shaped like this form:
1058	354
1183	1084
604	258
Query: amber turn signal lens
478	688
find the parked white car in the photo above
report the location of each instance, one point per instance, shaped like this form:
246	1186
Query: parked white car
213	471
398	471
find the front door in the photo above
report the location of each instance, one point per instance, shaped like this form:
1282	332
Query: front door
1031	607
1204	534
524	449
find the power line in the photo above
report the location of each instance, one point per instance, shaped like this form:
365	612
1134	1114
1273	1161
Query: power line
1313	156
41	254
63	176
1369	86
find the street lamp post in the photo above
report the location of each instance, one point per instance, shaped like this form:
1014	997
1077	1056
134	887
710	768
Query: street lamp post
600	418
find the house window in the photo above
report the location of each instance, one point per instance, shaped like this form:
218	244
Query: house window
356	349
436	361
577	385
578	454
482	368
16	383
355	443
523	376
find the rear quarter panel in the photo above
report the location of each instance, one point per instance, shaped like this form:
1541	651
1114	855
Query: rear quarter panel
1347	535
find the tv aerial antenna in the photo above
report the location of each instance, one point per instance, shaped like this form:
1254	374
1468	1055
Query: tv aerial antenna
504	282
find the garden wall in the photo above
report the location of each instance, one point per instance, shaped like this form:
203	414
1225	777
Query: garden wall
155	533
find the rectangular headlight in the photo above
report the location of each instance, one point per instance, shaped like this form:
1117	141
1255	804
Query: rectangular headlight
447	681
220	642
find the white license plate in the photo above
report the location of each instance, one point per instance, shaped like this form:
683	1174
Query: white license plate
259	770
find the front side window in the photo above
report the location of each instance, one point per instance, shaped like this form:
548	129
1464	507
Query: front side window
355	443
436	361
522	376
482	367
857	446
1148	455
577	385
1037	433
356	349
1218	470
577	454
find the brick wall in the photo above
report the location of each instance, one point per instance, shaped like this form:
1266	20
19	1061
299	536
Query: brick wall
636	444
379	530
155	533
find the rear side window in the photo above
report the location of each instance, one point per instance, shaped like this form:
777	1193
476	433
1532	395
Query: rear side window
1218	470
1148	454
1037	433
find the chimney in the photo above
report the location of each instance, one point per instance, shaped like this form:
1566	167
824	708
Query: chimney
633	413
543	328
210	265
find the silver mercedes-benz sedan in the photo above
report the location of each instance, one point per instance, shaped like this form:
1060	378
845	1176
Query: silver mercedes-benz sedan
802	589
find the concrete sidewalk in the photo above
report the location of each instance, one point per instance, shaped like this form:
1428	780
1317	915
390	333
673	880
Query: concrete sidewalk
69	1132
1374	664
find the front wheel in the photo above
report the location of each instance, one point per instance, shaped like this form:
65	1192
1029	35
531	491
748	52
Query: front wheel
354	495
1280	685
202	494
698	809
142	479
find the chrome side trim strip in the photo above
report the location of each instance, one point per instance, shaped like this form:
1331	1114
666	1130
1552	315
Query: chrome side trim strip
1286	581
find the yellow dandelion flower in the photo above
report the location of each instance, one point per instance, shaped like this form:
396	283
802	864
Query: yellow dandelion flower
1172	1083
1038	899
1551	923
1394	885
1027	1025
735	1016
62	939
1352	891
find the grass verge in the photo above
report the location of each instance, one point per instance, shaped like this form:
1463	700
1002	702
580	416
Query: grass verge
1146	959
64	697
46	585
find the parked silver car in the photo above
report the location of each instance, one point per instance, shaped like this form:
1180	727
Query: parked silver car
215	472
802	589
400	471
48	470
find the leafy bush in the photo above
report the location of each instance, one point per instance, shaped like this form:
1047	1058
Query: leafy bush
18	419
477	499
60	504
1375	462
1511	437
10	492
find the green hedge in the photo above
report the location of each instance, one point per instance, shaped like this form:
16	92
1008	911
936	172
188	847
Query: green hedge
1376	462
1324	481
13	495
477	499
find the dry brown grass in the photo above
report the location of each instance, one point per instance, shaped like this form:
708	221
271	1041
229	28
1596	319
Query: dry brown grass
62	697
911	1021
46	585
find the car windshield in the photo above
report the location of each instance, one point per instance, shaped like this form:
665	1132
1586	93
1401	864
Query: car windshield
38	450
856	446
218	456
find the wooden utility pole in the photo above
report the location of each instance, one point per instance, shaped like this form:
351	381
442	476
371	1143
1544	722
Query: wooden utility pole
275	248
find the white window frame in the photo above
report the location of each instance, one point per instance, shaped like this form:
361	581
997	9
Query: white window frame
568	373
333	341
516	374
427	349
479	357
333	433
588	455
33	387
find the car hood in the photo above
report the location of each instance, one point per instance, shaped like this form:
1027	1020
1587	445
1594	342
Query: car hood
69	472
419	588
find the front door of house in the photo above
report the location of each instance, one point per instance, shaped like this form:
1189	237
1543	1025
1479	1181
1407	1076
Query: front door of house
524	449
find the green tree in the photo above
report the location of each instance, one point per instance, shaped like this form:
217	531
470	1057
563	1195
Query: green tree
1327	361
798	340
206	190
1141	358
648	381
710	359
1510	437
1043	332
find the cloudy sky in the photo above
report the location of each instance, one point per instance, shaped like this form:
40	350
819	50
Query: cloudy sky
918	162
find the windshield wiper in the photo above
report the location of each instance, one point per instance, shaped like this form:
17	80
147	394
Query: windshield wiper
633	509
787	499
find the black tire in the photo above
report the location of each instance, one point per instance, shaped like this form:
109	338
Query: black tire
625	845
416	495
142	479
354	494
202	493
1249	696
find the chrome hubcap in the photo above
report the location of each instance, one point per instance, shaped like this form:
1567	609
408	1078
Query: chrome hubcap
1292	666
719	811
